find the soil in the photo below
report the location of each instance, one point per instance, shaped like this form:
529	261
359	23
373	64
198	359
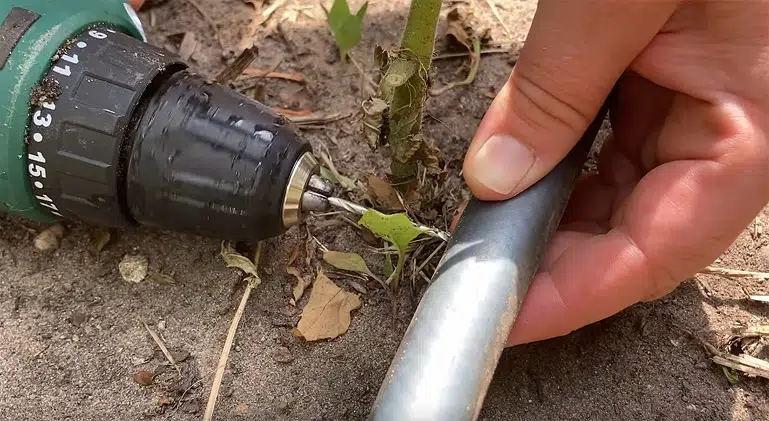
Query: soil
74	345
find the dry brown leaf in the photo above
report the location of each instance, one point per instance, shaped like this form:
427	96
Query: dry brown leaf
327	313
301	284
384	193
188	46
457	29
101	238
352	262
292	257
144	377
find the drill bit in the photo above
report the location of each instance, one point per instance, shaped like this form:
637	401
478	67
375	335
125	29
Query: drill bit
351	207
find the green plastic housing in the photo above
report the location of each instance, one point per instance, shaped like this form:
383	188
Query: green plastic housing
28	63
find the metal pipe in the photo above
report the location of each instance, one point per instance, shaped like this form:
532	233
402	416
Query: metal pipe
447	358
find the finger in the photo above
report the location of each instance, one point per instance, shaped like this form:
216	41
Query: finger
629	153
565	72
681	217
136	4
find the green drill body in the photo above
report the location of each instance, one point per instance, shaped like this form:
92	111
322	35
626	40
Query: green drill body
50	25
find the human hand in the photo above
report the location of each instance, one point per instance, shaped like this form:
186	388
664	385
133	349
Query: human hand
684	172
136	4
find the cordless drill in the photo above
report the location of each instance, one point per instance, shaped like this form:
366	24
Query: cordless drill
102	127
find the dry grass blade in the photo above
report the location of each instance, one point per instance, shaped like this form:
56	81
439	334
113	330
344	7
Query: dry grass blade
745	363
370	84
475	64
163	348
734	273
469	53
497	15
238	66
217	383
208	20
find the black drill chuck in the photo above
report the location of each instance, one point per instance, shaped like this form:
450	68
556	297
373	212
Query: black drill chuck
130	137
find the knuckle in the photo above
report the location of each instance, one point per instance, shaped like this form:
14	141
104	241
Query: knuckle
542	108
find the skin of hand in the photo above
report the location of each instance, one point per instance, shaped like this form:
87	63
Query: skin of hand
685	170
136	4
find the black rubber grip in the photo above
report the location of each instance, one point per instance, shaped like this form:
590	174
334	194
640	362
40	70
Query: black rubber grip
80	116
209	161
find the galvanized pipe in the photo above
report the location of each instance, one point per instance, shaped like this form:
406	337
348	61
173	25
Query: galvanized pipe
447	358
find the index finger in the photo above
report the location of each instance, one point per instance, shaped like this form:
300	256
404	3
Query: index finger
680	218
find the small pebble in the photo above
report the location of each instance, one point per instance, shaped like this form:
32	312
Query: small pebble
283	355
133	268
162	325
49	239
179	356
191	407
75	338
237	348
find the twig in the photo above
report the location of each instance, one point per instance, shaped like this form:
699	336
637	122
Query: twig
468	53
734	273
238	66
208	416
272	74
319	118
22	226
208	20
475	64
163	348
430	257
292	113
499	17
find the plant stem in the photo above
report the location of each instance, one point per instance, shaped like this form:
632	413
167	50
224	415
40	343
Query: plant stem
405	89
422	23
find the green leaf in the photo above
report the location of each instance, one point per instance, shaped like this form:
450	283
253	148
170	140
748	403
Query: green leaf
347	261
346	26
732	376
233	259
396	229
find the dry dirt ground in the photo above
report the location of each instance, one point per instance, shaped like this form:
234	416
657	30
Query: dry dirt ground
72	334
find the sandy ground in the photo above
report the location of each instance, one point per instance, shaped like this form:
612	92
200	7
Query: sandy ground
72	334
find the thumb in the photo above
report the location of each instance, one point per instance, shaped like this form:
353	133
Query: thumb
574	54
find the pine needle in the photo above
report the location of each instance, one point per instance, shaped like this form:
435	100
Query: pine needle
217	384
